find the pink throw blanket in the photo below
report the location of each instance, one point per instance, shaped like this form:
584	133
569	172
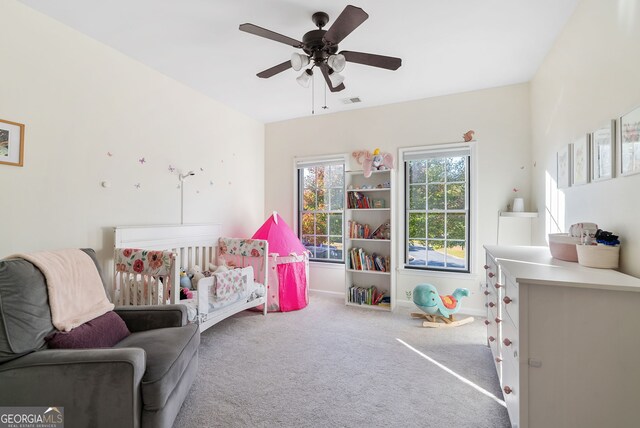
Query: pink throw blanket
76	293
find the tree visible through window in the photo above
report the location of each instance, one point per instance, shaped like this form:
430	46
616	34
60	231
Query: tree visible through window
437	212
321	202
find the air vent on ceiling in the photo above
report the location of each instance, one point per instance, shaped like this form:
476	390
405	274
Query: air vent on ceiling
351	100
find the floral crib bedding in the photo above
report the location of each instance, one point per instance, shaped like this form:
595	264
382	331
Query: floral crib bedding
140	273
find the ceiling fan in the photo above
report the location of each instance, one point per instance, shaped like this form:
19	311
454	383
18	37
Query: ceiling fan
320	48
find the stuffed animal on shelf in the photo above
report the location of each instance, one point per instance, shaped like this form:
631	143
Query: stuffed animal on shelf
373	161
438	310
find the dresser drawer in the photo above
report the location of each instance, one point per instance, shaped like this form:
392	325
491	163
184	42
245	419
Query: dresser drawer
509	341
491	270
494	330
510	300
511	391
494	342
492	301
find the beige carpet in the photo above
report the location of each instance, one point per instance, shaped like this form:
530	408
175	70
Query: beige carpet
329	365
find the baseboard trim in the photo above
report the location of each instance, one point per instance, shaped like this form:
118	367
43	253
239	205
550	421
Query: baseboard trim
404	303
328	293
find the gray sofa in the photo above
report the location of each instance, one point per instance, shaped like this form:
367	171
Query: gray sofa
142	381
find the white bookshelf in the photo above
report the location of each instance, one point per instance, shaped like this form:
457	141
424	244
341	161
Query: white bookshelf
378	187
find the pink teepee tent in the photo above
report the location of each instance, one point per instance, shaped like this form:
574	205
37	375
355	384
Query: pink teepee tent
288	266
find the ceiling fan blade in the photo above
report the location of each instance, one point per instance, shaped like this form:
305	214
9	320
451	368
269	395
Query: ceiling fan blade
268	34
388	62
274	70
325	73
350	19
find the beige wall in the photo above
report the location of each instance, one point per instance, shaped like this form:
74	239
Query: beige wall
79	100
590	76
500	118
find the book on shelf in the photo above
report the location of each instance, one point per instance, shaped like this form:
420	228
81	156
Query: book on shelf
358	200
367	295
384	301
357	230
360	231
361	260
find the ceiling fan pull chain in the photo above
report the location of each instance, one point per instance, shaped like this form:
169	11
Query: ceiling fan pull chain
324	107
313	92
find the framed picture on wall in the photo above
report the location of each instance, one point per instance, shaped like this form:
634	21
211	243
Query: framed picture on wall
11	143
563	169
580	161
630	143
603	158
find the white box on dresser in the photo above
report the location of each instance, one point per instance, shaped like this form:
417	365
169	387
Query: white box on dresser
570	341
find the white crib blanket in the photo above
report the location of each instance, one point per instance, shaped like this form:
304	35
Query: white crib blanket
228	285
223	289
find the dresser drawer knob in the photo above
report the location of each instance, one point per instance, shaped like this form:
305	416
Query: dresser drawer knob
498	360
492	339
491	304
498	285
486	267
498	320
487	322
486	292
507	342
507	300
491	274
507	390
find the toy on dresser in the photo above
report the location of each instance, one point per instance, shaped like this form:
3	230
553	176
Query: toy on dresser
438	310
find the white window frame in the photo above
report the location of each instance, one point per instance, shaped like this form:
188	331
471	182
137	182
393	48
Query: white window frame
306	161
473	208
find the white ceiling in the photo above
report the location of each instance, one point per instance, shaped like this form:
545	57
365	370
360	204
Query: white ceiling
446	46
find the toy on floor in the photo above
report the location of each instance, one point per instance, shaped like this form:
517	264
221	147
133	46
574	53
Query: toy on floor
438	310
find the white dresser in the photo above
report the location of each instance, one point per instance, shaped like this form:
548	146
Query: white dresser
565	340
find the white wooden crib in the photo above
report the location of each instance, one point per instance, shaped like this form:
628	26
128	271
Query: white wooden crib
184	246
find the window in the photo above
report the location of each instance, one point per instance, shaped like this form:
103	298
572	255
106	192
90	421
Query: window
320	209
437	209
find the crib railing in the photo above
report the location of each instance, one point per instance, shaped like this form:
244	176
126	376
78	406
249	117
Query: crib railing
137	289
190	245
148	288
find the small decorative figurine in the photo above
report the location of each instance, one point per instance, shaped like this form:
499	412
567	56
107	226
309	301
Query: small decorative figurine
468	136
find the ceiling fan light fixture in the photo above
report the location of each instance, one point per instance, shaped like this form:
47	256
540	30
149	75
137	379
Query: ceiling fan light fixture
305	78
298	61
337	62
335	78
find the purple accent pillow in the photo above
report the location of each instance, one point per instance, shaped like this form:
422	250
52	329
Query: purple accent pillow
102	332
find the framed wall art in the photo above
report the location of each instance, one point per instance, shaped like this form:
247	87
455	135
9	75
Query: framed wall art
630	143
580	161
603	158
563	168
11	143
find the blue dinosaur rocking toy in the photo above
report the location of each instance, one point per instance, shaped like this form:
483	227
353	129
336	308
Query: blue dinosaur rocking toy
438	310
